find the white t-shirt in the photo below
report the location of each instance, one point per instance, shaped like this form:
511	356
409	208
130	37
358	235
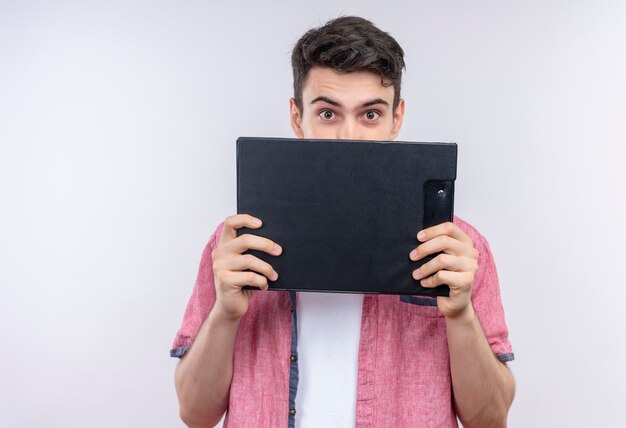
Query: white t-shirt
328	347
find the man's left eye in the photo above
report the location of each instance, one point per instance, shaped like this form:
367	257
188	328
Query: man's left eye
372	115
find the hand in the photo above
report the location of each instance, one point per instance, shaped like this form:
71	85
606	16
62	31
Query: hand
456	267
229	264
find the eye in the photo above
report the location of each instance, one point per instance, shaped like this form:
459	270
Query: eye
326	114
371	115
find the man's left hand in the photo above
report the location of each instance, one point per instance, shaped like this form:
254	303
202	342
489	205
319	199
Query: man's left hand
456	267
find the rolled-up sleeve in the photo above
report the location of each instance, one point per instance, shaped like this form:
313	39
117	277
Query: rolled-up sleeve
487	302
201	300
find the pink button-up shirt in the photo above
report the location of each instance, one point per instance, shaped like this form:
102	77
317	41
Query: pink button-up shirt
403	364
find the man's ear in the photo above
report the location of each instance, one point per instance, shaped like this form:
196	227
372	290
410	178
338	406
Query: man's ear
398	116
296	118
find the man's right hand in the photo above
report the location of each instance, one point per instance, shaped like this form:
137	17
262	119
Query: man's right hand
234	270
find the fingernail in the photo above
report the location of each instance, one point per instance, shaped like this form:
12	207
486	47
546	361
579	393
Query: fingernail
274	276
416	273
277	249
256	221
421	236
424	282
413	254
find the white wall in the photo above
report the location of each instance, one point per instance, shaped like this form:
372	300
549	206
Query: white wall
117	129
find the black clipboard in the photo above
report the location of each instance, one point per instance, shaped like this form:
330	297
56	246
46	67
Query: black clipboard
345	212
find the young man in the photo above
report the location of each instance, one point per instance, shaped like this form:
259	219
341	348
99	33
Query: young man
406	361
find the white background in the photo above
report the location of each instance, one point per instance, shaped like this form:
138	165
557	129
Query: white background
117	129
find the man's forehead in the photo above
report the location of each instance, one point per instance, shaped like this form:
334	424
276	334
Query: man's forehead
356	87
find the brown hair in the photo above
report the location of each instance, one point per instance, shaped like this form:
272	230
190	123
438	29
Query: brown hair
347	44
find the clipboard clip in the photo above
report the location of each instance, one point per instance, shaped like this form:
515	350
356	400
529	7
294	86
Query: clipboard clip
438	202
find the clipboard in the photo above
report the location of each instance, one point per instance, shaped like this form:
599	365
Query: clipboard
345	212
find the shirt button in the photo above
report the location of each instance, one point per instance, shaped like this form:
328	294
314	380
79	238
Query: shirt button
293	358
292	411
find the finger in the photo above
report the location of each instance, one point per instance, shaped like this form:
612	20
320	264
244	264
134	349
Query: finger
239	279
444	277
246	262
445	262
447	228
251	242
237	221
441	243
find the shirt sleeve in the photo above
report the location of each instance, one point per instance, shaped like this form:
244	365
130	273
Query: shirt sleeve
201	300
488	303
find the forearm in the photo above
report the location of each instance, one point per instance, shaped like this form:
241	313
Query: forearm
483	387
203	376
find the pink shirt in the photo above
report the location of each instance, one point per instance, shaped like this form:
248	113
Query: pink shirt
403	365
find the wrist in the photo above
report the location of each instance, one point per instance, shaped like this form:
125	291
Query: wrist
464	316
221	317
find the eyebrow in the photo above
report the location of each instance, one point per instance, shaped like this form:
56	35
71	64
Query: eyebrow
337	104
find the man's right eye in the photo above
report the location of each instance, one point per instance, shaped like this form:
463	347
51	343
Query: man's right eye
326	114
